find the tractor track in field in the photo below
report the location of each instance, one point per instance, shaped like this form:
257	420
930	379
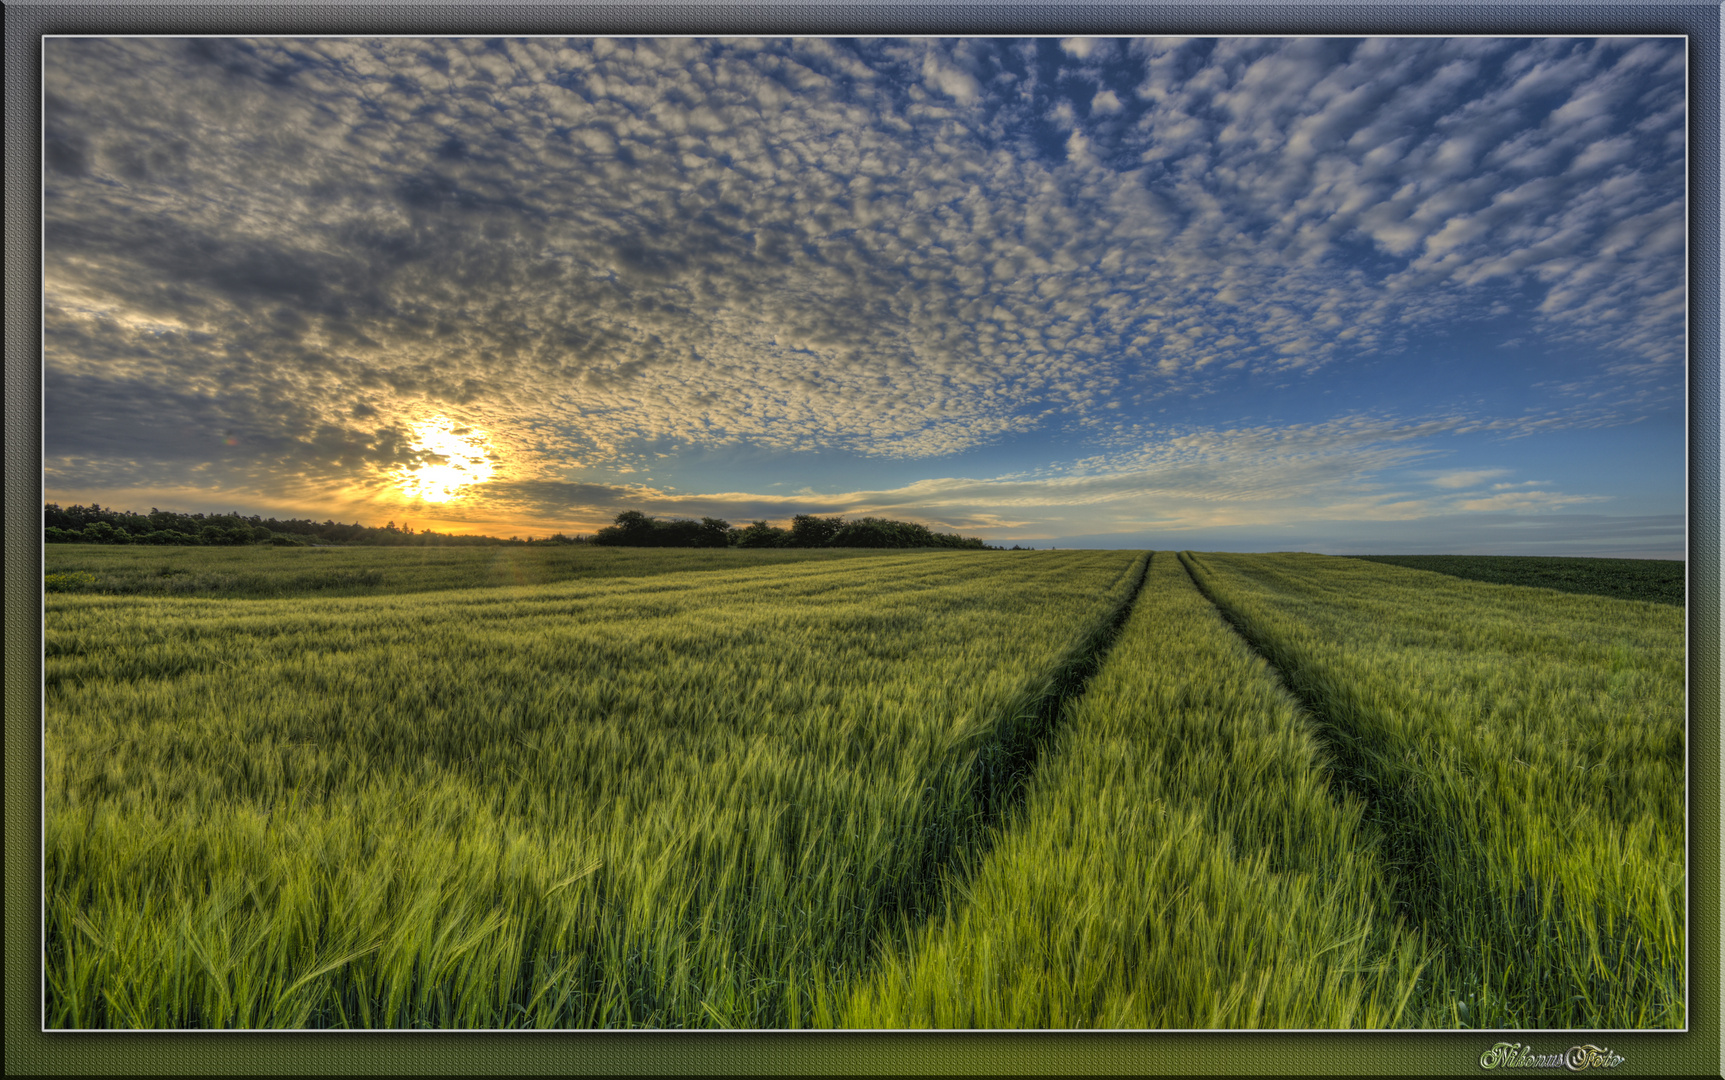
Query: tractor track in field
1004	769
1005	766
1402	848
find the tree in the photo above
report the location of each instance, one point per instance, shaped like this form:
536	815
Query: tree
760	535
715	533
809	531
872	532
631	528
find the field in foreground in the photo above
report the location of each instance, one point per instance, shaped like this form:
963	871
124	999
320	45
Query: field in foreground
875	790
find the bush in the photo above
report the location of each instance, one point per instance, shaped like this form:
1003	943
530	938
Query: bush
758	535
872	532
225	534
635	529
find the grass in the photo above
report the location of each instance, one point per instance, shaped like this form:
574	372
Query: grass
257	572
672	799
1181	861
1522	753
1658	580
68	581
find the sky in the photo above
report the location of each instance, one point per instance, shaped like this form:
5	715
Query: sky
1345	295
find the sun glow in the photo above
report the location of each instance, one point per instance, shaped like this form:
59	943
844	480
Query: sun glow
447	459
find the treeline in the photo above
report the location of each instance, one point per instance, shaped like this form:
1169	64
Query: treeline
96	524
635	529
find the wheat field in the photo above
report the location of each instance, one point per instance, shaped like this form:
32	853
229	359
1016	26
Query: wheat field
574	788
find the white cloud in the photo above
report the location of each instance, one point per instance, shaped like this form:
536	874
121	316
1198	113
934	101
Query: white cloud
949	80
1526	501
1466	478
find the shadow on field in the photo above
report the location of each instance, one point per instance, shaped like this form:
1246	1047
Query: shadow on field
1657	581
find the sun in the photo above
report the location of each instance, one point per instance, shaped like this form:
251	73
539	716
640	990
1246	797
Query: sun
447	459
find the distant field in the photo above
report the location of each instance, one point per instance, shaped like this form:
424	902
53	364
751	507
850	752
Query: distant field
678	788
1657	580
276	572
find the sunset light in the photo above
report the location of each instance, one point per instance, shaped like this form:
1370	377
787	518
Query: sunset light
447	460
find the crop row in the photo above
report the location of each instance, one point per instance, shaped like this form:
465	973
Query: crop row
1180	861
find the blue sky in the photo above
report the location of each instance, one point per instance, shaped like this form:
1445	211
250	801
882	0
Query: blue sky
1346	295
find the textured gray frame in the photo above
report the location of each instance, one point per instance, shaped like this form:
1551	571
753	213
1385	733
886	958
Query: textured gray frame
30	1050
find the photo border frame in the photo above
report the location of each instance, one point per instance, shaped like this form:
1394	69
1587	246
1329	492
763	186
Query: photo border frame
29	1049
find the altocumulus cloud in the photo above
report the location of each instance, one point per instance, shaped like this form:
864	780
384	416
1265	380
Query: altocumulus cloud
265	258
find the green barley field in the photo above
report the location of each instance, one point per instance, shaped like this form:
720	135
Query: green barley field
578	787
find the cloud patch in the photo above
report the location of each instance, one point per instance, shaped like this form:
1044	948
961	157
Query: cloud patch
1466	478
